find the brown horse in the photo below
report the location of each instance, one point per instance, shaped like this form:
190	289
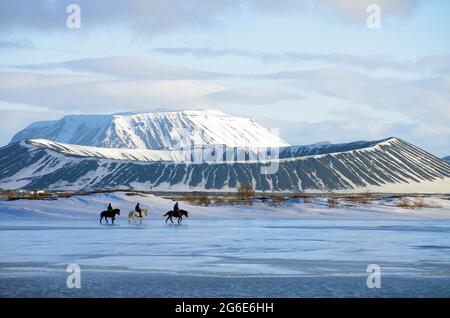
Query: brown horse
109	214
178	215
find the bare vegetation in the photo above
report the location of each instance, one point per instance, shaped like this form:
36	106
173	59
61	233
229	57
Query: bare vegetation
246	191
306	197
133	194
277	200
417	203
360	199
28	195
333	203
201	199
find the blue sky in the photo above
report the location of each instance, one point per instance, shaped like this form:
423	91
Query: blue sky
311	68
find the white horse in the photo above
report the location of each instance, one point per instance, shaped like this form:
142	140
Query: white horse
133	214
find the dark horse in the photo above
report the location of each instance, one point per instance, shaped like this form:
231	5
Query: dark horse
109	214
178	215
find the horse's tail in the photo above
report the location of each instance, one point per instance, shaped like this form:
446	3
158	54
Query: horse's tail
166	214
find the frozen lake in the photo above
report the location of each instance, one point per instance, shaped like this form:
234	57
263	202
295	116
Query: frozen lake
225	257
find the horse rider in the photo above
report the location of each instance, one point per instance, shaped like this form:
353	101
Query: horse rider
138	210
110	208
176	209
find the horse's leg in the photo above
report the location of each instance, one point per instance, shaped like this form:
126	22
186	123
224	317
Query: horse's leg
171	219
167	219
106	219
101	219
112	220
179	219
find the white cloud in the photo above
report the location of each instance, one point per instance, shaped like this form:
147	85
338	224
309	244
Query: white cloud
252	95
426	99
356	9
362	127
11	121
112	87
16	44
123	82
72	93
430	64
125	67
149	17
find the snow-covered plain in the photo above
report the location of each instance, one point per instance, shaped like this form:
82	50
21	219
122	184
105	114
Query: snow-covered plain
88	207
294	250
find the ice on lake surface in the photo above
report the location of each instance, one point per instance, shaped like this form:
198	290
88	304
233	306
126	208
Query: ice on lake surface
226	257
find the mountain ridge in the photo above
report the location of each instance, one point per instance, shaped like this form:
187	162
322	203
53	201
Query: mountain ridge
246	153
388	166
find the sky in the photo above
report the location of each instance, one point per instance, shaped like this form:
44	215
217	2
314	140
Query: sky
312	68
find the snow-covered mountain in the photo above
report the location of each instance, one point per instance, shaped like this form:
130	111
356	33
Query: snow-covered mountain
182	151
389	165
159	130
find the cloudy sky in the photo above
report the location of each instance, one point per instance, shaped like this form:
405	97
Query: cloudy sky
309	67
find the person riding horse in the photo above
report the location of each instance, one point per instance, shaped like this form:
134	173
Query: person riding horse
138	210
109	213
177	213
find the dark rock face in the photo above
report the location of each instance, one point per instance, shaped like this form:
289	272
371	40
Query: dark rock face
321	168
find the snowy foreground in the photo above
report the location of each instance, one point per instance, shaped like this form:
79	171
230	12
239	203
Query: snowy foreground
294	250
